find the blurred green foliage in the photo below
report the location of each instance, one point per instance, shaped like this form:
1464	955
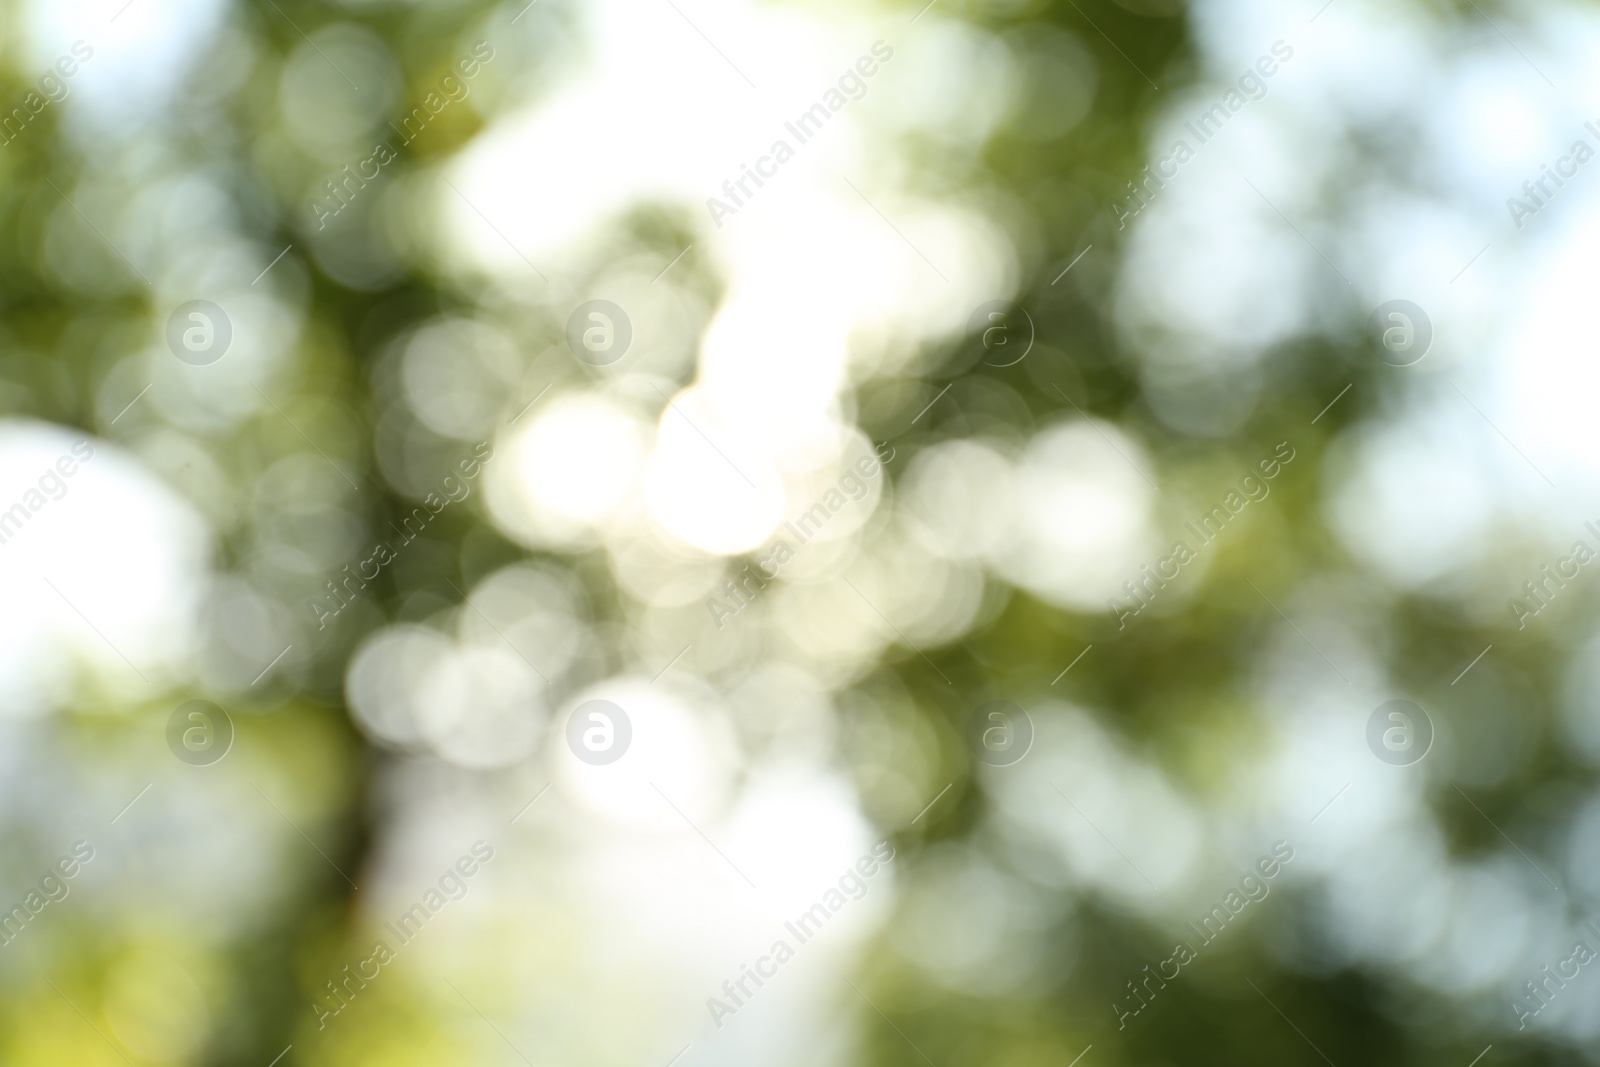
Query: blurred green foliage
1175	681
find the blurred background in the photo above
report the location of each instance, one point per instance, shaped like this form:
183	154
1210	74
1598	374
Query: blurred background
691	532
